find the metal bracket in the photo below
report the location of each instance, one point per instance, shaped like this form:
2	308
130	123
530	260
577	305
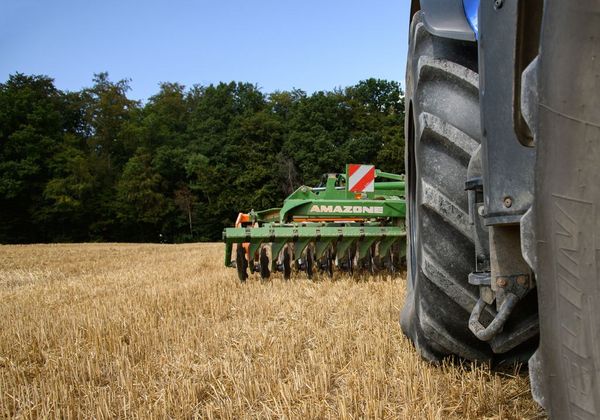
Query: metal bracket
474	189
483	279
489	332
516	284
510	289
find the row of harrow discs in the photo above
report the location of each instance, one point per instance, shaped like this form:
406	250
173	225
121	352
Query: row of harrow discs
315	261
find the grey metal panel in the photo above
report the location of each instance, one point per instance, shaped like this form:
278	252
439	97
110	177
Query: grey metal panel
446	18
507	164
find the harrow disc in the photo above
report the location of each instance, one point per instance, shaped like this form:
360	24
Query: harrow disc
367	263
326	263
263	262
309	262
378	259
316	249
390	263
346	262
286	262
241	263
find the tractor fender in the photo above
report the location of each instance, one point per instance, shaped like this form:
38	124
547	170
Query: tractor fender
455	19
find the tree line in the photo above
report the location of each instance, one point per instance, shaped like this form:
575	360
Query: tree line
95	165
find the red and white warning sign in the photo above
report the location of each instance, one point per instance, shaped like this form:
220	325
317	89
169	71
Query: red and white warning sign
361	178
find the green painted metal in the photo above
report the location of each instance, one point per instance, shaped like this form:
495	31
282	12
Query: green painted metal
343	245
385	244
322	245
301	243
300	231
365	244
334	200
276	248
328	217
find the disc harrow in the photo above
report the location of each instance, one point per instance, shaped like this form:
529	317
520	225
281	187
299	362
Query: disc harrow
351	223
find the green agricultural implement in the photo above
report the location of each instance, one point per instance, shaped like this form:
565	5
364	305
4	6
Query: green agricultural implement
352	222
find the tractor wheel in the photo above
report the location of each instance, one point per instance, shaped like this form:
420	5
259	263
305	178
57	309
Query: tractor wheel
565	218
443	132
241	263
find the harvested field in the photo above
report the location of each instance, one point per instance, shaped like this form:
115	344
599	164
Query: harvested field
154	331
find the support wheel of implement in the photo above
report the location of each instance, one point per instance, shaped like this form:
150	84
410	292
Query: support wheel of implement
443	132
241	263
265	272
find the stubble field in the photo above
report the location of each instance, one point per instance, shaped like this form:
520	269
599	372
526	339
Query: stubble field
155	331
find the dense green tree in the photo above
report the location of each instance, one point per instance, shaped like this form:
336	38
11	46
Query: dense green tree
109	114
95	165
166	117
141	206
66	212
31	132
378	123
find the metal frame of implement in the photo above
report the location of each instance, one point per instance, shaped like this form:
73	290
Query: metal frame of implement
323	227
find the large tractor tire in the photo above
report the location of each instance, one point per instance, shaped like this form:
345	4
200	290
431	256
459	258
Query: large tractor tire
442	135
566	369
443	132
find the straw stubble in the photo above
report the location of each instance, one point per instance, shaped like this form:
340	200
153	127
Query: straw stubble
154	331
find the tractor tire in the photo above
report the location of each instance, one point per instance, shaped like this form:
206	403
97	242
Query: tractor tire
442	135
566	220
443	132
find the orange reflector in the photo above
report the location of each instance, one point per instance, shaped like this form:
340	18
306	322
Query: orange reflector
242	218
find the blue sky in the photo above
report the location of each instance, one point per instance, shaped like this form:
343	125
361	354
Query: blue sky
279	45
